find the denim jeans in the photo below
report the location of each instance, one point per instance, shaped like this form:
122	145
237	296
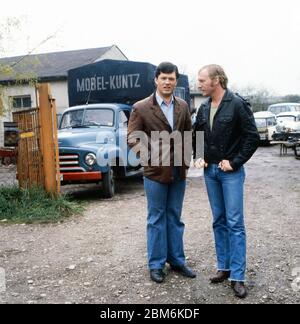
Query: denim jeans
164	226
225	193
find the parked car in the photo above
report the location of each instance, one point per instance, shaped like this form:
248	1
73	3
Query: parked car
265	123
93	146
284	107
288	126
288	122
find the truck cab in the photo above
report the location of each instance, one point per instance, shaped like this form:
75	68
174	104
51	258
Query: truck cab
93	145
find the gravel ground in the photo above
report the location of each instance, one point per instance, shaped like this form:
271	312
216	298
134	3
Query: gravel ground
100	257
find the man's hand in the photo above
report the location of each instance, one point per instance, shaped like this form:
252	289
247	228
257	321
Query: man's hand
225	166
200	164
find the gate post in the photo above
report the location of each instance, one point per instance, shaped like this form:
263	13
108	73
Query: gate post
49	143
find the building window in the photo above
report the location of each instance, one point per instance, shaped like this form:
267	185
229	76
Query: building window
21	101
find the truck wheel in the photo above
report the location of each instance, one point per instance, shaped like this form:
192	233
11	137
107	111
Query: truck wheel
108	183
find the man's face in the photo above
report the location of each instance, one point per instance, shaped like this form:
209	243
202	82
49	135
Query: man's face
205	84
166	84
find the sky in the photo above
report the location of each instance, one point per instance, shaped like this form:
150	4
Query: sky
256	41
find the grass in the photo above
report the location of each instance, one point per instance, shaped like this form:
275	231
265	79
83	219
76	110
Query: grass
35	206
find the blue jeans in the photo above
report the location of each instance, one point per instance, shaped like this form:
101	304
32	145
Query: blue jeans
164	226
225	193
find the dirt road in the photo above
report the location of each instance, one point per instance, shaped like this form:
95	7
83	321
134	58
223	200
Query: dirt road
100	257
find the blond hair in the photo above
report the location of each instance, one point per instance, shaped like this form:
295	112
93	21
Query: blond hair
216	71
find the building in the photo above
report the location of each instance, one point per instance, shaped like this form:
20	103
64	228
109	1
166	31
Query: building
50	67
196	99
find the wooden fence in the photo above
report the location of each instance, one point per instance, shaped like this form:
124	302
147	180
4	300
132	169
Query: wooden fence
29	157
37	154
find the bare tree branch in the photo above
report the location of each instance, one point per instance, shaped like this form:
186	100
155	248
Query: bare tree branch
35	48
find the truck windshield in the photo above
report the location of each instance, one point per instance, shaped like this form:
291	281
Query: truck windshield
88	118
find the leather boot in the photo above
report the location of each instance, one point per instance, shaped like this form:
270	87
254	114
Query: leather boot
239	289
220	276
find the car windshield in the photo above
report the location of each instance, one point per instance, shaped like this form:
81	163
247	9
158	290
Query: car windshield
261	122
296	108
88	118
281	119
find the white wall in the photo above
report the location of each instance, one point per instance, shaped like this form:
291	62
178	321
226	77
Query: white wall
59	92
13	91
197	100
23	90
114	54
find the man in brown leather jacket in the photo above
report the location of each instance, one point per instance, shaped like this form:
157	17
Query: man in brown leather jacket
163	113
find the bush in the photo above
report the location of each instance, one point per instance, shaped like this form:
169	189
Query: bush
35	206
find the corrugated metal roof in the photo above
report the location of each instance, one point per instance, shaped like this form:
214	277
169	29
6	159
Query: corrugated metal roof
50	65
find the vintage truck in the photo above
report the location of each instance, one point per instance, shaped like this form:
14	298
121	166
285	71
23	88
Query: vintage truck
92	145
92	134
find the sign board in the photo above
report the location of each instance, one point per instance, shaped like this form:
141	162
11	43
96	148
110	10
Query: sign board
113	81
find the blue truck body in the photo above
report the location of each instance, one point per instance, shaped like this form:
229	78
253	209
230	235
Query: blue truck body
116	81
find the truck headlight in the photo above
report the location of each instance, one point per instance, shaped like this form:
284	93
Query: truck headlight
90	159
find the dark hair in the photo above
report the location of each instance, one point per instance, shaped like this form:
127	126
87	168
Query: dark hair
166	67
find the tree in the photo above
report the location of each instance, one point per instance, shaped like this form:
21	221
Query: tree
6	30
10	71
15	71
291	98
258	97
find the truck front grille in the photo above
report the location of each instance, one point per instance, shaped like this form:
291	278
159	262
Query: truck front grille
69	163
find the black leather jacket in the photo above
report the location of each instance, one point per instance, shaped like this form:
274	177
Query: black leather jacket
234	135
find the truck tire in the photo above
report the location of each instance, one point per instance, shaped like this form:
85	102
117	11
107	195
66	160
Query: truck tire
108	183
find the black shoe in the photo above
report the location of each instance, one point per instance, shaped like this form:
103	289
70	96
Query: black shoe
157	275
239	289
220	276
184	270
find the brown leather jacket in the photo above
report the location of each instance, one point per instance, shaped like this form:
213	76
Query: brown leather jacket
148	117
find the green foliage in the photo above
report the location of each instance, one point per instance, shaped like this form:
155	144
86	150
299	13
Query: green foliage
261	98
35	206
258	97
291	98
21	72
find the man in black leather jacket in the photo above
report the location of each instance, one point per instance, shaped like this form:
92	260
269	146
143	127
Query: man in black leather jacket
230	139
